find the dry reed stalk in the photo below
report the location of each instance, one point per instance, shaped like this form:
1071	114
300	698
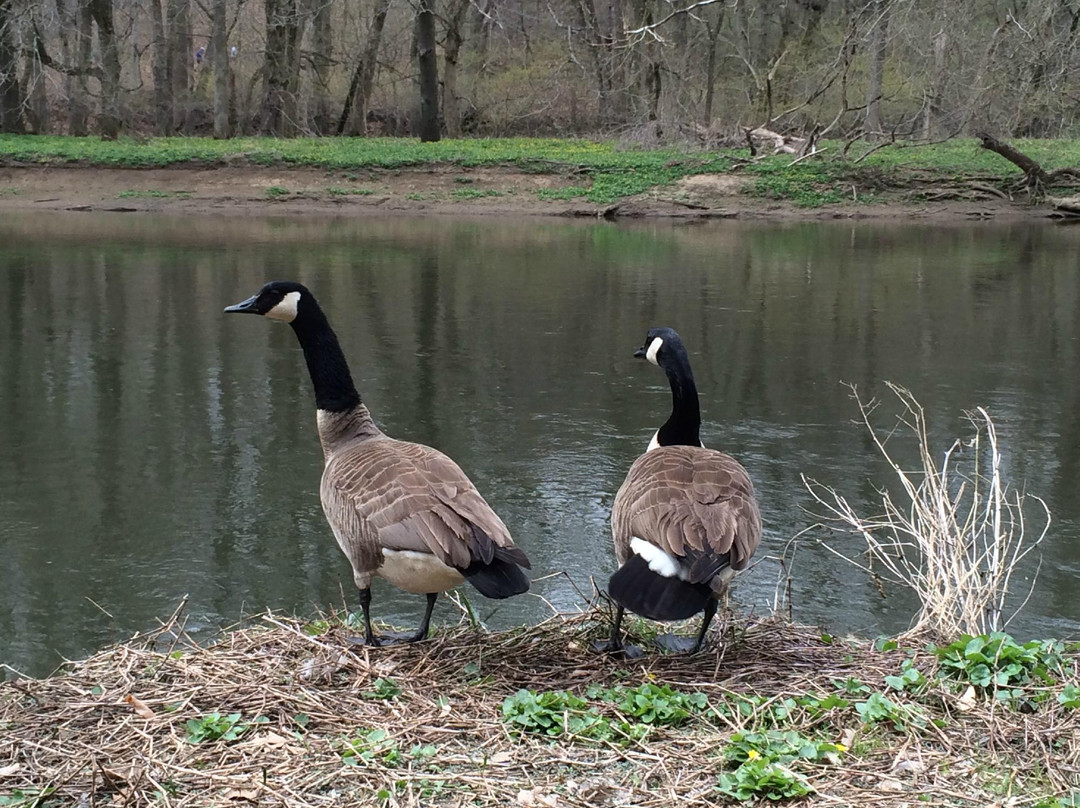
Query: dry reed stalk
954	536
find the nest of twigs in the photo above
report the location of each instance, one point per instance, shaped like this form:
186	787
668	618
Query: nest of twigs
115	729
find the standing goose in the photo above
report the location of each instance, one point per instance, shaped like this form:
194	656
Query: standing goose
403	511
685	519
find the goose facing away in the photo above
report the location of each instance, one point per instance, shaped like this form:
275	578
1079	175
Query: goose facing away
685	519
402	511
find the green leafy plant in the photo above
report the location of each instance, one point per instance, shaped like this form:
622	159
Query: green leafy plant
1069	697
762	778
995	660
374	744
475	193
336	191
878	708
763	761
275	191
215	727
554	713
909	678
383	688
653	704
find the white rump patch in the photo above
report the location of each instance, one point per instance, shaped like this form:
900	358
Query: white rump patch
654	349
419	573
655	442
659	562
286	309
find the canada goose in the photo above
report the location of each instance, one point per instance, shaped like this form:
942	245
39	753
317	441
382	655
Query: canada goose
685	519
402	511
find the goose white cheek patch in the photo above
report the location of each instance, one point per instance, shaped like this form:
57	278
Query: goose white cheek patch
654	349
286	309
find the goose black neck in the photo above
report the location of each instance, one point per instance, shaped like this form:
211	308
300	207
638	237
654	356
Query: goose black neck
683	426
334	389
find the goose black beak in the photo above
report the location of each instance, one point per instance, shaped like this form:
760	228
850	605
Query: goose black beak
638	354
245	306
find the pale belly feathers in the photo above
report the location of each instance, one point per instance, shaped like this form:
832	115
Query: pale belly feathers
419	573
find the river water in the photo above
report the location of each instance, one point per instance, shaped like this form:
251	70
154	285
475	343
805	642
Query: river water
152	448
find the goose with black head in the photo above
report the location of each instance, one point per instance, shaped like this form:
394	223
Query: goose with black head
685	519
402	511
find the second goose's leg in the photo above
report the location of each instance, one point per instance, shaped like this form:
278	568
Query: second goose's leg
615	645
674	643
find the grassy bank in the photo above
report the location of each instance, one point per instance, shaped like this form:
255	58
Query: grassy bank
600	172
290	713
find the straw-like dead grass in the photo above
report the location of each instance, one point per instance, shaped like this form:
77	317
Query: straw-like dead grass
110	730
953	531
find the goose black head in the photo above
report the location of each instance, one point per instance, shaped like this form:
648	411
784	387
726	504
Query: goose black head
661	344
279	300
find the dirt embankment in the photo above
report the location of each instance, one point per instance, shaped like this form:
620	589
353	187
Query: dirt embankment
251	190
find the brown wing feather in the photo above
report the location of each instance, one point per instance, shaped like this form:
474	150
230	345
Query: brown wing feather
405	496
686	498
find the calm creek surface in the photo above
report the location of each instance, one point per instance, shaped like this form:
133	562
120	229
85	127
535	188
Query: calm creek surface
151	447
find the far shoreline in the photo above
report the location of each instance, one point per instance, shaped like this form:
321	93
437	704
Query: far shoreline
250	190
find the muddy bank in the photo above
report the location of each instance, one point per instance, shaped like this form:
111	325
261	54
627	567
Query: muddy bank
252	190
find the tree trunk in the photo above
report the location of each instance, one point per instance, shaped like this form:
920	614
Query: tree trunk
10	92
931	121
586	14
356	101
713	30
37	111
102	12
160	71
620	68
79	114
180	56
281	28
322	44
222	70
428	69
878	48
451	51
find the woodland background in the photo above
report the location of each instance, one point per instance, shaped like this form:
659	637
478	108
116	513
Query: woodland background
646	70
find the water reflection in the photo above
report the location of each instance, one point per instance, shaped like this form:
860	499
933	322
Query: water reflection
153	447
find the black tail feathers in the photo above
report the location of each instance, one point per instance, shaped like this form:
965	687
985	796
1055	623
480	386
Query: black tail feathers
500	579
638	589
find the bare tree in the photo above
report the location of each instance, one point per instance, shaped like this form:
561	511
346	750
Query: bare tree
222	72
10	91
277	113
321	58
356	101
180	58
455	20
428	68
160	70
878	46
102	12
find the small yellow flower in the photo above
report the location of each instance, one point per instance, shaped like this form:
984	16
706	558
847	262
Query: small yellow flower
752	755
841	748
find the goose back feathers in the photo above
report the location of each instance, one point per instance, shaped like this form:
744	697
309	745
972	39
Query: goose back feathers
383	497
687	512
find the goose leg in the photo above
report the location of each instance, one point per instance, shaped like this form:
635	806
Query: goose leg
365	607
420	634
673	643
614	644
